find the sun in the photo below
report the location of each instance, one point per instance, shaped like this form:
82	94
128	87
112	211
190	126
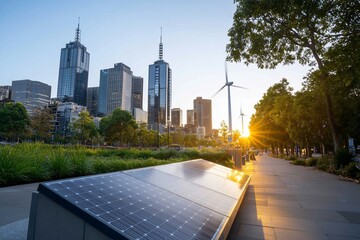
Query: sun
245	134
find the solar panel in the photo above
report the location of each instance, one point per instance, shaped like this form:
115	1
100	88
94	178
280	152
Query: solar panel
181	187
189	200
209	175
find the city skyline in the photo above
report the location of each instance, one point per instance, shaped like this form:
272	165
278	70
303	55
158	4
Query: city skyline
194	46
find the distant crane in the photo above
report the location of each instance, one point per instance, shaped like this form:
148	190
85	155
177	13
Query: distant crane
228	84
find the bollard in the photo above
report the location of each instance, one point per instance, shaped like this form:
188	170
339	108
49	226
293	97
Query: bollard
236	158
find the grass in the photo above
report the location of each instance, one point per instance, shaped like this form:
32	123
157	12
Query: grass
33	162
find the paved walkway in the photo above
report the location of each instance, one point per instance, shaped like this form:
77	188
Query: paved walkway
283	202
14	211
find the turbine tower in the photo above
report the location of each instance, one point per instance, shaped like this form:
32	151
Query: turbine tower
228	84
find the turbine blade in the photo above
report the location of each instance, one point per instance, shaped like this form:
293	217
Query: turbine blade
226	73
238	86
218	91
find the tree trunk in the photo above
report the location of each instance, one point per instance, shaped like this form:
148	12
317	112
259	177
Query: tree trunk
328	101
333	128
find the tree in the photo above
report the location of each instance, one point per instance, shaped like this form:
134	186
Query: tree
14	120
236	137
84	129
40	123
119	127
223	131
267	125
191	140
145	137
271	32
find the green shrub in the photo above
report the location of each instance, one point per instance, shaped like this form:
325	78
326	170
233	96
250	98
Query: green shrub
299	162
165	154
59	164
290	158
216	156
324	163
82	165
351	171
342	158
30	162
311	162
13	170
144	153
100	166
22	164
191	153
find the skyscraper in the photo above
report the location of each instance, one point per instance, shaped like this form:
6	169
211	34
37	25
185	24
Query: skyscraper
137	93
32	94
159	93
92	101
190	117
115	89
203	114
5	92
73	72
176	117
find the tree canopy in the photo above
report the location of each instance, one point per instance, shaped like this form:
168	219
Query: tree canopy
84	129
119	127
317	33
41	124
14	120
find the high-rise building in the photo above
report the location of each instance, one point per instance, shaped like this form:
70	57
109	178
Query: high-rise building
159	93
203	114
73	72
5	92
32	94
92	100
137	93
140	115
115	89
176	117
66	114
190	117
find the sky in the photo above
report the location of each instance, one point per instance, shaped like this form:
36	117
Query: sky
32	34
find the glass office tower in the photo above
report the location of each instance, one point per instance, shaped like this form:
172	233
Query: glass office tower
32	94
73	72
92	101
176	117
115	89
159	93
137	93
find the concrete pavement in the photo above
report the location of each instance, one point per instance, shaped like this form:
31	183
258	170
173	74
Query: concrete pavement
283	201
14	211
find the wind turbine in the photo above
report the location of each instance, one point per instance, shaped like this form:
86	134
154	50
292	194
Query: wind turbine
228	84
242	120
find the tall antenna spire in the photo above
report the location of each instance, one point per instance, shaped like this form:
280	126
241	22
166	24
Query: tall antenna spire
77	32
161	46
